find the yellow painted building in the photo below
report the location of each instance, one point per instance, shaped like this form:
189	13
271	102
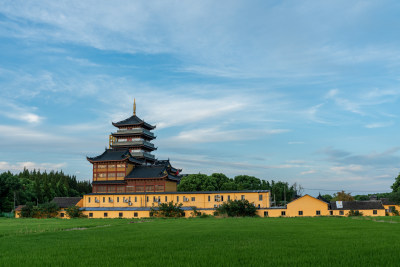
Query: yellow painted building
137	205
308	206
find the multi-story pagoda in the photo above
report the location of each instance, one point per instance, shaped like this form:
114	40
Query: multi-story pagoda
128	165
134	134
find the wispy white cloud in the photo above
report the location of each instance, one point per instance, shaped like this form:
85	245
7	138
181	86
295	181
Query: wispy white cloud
378	125
19	112
216	134
308	172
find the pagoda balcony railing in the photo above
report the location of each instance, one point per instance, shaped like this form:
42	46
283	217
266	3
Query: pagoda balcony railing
136	131
133	143
142	154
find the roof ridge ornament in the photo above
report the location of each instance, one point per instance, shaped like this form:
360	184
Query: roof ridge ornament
134	107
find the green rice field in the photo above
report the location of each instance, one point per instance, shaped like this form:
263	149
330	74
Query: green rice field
208	242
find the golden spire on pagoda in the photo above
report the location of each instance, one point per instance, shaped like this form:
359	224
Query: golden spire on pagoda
134	106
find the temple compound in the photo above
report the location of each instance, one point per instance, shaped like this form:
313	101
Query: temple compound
128	181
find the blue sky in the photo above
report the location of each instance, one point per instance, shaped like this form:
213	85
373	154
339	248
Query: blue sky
300	91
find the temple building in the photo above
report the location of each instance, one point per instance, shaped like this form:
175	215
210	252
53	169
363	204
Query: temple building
128	166
129	181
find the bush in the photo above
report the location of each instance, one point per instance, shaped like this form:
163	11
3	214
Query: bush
168	210
45	210
237	208
395	212
195	212
27	211
74	212
355	213
48	210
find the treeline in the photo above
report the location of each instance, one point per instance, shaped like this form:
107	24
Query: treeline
393	196
38	187
281	192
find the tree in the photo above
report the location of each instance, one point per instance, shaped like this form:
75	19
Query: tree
396	185
327	197
27	211
220	180
342	196
74	212
237	208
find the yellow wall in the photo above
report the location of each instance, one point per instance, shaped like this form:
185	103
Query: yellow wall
199	200
309	205
387	207
170	186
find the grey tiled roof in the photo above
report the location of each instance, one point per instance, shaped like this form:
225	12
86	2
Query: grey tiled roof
386	201
357	205
157	170
111	154
66	202
133	120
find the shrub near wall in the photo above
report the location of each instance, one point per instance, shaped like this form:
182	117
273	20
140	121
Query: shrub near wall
46	210
237	208
74	212
168	210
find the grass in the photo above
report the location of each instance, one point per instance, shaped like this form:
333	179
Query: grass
201	242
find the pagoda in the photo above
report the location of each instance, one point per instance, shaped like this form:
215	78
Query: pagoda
128	166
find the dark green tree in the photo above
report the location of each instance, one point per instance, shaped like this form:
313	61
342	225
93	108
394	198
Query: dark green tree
237	208
396	185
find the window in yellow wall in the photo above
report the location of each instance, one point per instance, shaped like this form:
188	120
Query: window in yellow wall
135	214
135	199
331	212
147	199
318	212
166	199
260	197
120	214
104	199
209	198
117	199
120	165
300	212
177	198
375	212
222	198
243	197
341	212
193	199
229	198
89	199
90	215
105	214
265	213
61	214
283	213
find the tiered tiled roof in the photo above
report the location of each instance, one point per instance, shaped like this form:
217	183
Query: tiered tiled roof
133	121
115	155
